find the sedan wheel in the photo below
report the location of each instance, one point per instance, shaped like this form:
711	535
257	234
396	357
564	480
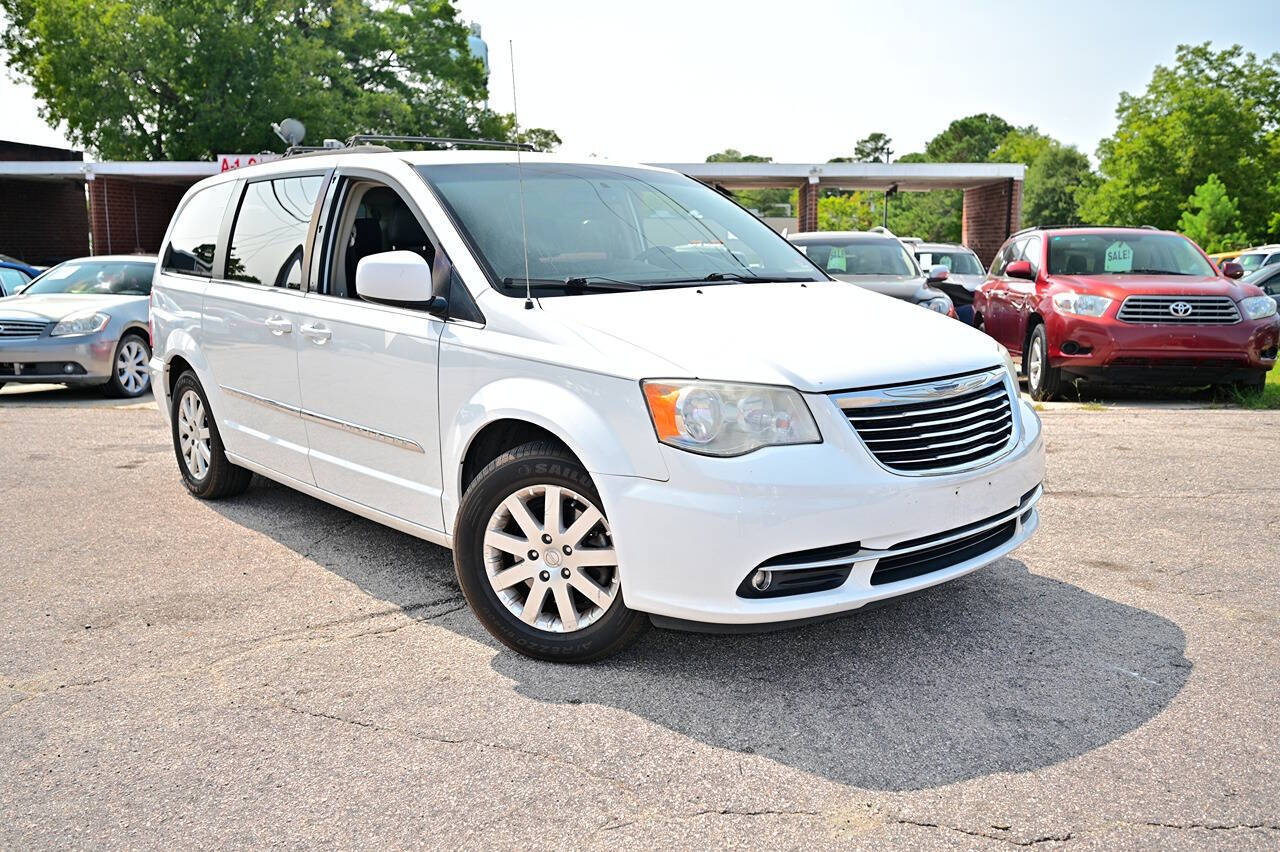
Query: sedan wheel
550	559
193	435
131	372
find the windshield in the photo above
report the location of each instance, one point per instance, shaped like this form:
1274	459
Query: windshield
883	257
96	277
956	262
1250	262
1125	253
616	228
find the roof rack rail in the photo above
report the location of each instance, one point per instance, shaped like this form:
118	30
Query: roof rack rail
364	138
1031	228
309	150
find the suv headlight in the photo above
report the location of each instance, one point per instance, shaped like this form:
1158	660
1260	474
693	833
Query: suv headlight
1080	304
722	419
1258	307
86	322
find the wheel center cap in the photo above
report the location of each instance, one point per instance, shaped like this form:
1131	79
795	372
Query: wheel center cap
551	556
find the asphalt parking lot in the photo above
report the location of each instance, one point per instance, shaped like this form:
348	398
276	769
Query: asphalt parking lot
274	671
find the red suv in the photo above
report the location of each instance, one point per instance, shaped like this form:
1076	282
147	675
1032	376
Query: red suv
1131	305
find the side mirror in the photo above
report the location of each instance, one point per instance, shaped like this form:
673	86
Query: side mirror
400	278
1231	269
1020	269
937	273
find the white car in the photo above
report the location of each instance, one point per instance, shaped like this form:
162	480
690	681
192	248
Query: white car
614	393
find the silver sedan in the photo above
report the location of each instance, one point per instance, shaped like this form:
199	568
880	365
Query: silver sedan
82	322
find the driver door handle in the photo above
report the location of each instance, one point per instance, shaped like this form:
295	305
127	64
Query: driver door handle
317	333
278	325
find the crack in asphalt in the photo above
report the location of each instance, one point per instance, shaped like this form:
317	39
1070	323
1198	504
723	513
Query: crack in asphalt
1046	838
1204	826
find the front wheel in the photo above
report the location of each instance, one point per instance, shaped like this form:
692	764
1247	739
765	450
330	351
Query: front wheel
1252	386
130	370
1043	381
535	559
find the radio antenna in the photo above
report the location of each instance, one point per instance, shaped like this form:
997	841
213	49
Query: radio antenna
524	231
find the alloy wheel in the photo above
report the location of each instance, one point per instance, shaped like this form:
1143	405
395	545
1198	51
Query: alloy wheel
193	434
131	366
1034	367
549	557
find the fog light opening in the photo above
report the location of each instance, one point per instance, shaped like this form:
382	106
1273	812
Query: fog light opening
68	368
1070	347
762	580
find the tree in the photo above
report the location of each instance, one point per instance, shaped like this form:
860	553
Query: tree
1058	176
181	80
845	212
968	140
1212	218
733	155
1210	113
873	148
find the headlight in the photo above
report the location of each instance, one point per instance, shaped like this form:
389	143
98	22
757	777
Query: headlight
1009	365
1080	304
939	305
82	323
1258	307
720	419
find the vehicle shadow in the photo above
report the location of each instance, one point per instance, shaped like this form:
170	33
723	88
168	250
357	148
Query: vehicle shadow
69	396
1000	671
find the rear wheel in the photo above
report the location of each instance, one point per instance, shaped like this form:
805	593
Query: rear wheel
130	369
1043	381
535	559
206	471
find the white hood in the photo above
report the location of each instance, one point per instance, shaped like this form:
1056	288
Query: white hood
820	337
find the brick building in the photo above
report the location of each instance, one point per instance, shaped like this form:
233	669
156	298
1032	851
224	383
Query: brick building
54	206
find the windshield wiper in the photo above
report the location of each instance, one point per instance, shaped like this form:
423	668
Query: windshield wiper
579	284
1152	272
738	278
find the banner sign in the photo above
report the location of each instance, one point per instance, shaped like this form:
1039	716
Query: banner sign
227	162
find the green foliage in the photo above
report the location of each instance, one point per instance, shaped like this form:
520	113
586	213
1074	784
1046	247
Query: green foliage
733	155
1210	113
873	148
1212	218
845	212
180	80
934	216
968	140
1057	177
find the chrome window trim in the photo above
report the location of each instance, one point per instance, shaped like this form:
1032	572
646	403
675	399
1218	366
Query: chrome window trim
325	420
860	402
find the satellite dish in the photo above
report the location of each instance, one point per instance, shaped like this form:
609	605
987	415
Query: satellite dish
291	131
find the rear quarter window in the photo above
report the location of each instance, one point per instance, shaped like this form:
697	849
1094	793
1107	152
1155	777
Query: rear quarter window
194	240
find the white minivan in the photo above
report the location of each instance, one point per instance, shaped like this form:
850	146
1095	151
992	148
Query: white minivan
615	394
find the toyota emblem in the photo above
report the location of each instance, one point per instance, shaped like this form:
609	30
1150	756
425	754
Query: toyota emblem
1180	309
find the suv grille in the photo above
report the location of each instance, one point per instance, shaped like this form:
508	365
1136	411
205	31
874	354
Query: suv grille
12	329
1179	310
939	426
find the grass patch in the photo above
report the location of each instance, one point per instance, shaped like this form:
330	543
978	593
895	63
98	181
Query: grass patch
1268	399
1092	406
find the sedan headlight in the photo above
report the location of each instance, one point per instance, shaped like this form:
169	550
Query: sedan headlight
1258	307
721	419
88	322
1081	304
941	305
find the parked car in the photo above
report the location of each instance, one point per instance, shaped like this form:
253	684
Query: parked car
14	275
1258	257
1125	305
81	322
877	261
1221	257
1266	279
964	273
612	391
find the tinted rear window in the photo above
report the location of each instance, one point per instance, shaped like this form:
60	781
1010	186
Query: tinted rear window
270	228
194	240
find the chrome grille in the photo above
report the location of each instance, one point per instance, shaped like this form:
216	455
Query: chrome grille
11	329
1179	310
938	426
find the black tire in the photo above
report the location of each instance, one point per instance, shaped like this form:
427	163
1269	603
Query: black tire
1047	381
221	478
115	387
539	463
1253	386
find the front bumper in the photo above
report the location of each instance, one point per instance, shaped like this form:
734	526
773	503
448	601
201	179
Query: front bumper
1106	348
45	359
686	545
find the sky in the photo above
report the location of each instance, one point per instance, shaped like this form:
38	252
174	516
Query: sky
803	80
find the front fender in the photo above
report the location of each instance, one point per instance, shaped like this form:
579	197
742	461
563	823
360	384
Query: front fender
602	419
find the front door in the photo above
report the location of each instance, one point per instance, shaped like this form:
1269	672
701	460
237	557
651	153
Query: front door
369	372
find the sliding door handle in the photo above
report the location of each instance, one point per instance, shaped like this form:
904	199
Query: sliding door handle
317	333
278	325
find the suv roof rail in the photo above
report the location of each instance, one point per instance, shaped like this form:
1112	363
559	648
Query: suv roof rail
311	150
1031	228
881	229
364	138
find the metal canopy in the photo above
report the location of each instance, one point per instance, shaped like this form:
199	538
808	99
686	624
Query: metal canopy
908	177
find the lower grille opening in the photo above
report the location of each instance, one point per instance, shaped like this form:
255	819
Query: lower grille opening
891	569
798	582
41	368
